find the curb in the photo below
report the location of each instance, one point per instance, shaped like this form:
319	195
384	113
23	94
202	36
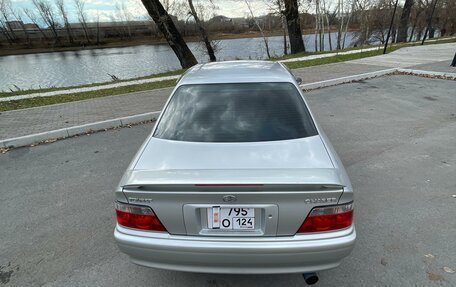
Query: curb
421	73
327	55
51	136
348	79
77	130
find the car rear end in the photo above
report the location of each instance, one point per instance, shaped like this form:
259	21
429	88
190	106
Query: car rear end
284	228
245	185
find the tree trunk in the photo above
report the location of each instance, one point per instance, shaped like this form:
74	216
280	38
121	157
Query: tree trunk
322	32
294	26
56	35
27	37
98	31
341	19
68	31
169	30
10	30
403	24
86	33
431	32
411	33
346	30
329	33
210	50
316	32
418	35
284	24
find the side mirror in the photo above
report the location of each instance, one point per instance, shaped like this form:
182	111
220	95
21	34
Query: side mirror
299	80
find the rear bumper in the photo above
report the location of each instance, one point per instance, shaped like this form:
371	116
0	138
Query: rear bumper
266	255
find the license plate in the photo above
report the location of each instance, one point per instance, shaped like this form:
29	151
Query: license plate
235	218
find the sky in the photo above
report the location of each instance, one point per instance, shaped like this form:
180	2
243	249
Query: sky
107	10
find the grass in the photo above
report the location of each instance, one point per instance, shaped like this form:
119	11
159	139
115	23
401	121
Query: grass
42	101
51	89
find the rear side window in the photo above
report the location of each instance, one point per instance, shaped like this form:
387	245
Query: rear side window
240	112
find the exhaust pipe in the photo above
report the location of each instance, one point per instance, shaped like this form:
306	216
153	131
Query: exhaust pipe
310	278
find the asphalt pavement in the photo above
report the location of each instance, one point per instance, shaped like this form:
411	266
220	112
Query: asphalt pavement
395	135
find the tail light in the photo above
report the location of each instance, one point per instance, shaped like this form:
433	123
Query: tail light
139	217
328	218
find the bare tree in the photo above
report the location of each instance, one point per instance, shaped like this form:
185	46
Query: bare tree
341	17
5	33
277	8
98	27
265	40
204	36
326	12
46	12
283	21
64	15
172	35
364	10
34	18
17	15
348	23
125	16
294	26
5	10
317	24
447	17
80	11
320	17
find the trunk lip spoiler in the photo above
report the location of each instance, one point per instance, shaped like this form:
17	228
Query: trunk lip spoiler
329	177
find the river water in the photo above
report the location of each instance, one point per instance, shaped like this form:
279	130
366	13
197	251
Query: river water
59	69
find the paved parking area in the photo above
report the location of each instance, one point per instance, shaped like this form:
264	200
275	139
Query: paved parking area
395	135
442	66
412	56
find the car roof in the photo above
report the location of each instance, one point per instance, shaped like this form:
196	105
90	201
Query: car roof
236	72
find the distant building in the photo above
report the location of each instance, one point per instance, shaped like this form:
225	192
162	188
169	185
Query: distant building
14	25
31	27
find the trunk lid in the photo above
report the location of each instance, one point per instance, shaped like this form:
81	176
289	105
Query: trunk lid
162	154
281	181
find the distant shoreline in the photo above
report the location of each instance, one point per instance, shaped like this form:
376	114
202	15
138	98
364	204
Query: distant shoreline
11	51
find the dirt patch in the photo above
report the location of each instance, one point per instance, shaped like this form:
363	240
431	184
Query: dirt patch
435	276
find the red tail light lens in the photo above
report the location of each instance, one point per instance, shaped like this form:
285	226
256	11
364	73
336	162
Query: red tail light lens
328	218
139	217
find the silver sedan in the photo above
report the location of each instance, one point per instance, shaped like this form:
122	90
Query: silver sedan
236	177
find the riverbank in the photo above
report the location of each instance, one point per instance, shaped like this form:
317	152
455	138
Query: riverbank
35	98
117	43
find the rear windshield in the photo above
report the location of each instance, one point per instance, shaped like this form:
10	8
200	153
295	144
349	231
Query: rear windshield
246	112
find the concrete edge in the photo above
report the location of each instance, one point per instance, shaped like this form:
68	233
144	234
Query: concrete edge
347	79
422	73
89	89
77	130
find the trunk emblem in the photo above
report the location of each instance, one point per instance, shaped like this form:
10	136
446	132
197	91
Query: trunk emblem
229	198
320	200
